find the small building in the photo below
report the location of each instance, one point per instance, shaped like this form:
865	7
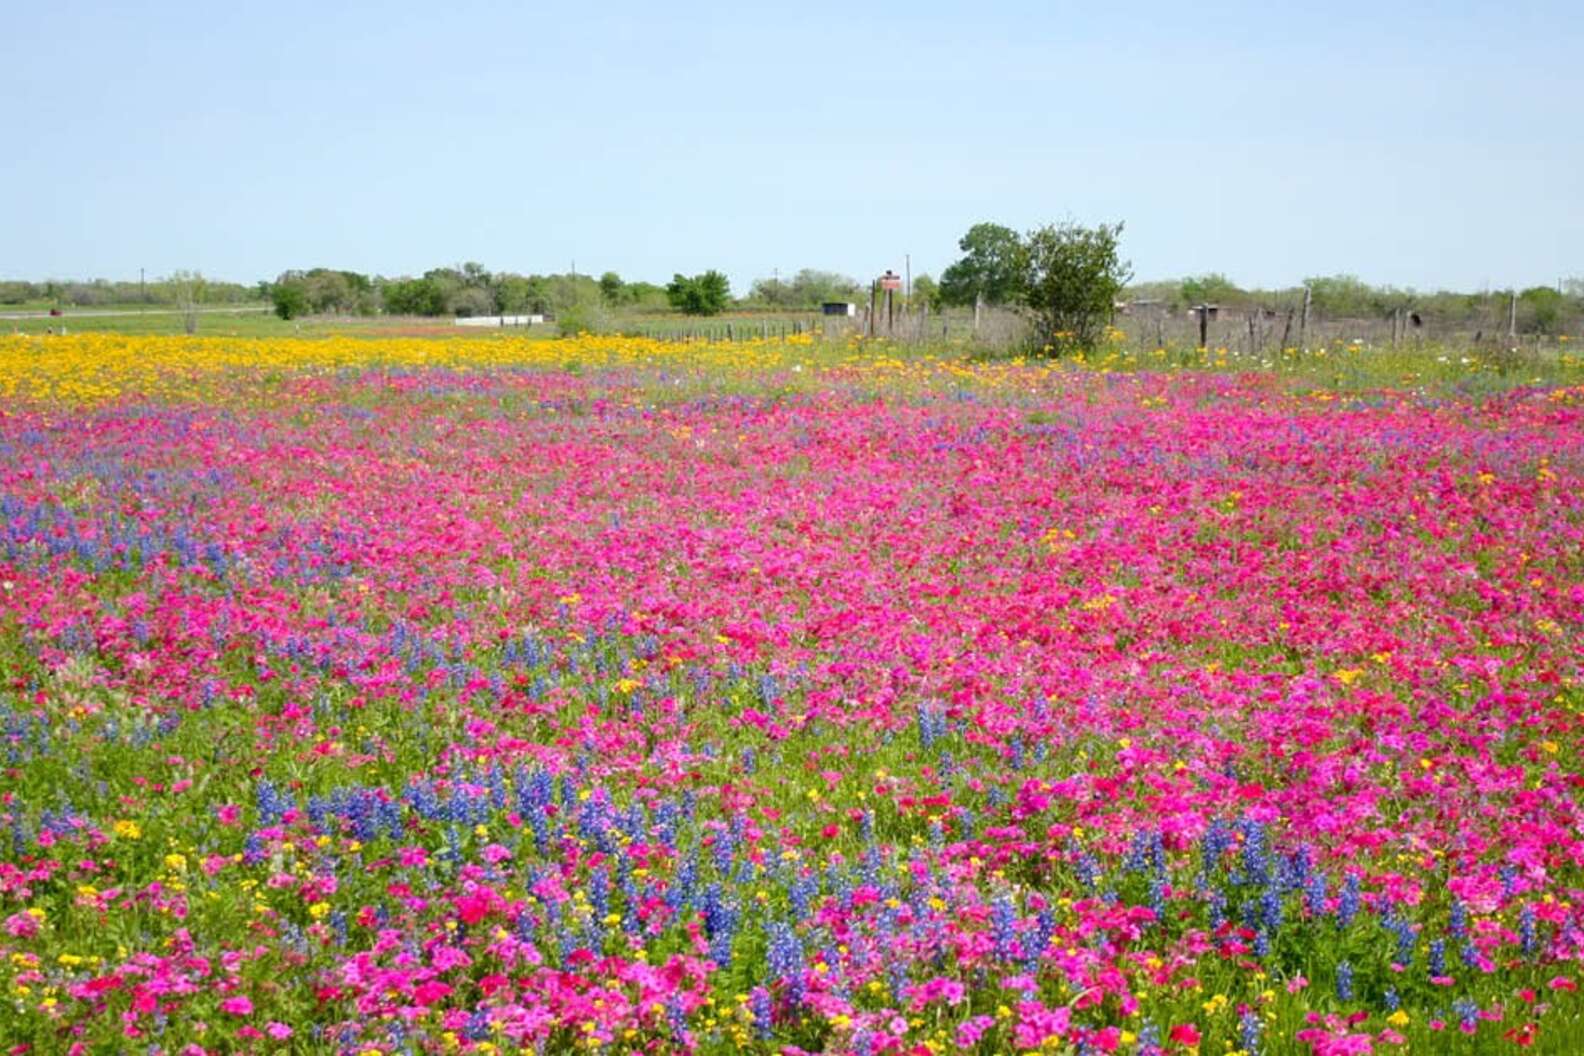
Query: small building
846	308
500	320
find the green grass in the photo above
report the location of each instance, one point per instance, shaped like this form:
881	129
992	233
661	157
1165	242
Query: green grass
149	320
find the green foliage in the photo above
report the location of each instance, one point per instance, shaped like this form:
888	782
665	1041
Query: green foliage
1072	280
587	316
1341	296
190	291
322	291
705	294
610	285
808	289
1543	307
517	294
16	292
1211	288
992	267
289	299
646	296
567	291
449	282
927	291
102	293
415	297
472	300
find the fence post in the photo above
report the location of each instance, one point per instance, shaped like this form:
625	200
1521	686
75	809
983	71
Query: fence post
1303	320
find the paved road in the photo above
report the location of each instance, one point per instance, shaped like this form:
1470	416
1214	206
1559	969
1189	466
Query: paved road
92	312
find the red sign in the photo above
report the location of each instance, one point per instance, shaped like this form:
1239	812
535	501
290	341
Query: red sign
889	281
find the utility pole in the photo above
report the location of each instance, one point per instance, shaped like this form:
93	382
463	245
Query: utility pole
142	290
907	281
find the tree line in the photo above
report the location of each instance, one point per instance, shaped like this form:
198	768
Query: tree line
470	289
1540	309
93	293
463	290
1064	278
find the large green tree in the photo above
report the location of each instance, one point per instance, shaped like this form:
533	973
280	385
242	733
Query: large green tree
991	267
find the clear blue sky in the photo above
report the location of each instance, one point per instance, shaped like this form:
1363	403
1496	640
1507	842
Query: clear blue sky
1412	143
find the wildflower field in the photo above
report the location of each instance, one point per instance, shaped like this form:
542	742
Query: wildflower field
598	695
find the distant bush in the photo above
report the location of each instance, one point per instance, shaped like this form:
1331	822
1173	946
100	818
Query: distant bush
587	316
1544	308
808	289
471	300
289	299
415	297
706	294
1071	283
17	292
190	291
1212	288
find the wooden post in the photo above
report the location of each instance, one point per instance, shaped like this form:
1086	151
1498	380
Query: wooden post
1512	314
873	283
978	308
1204	325
890	314
1303	320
